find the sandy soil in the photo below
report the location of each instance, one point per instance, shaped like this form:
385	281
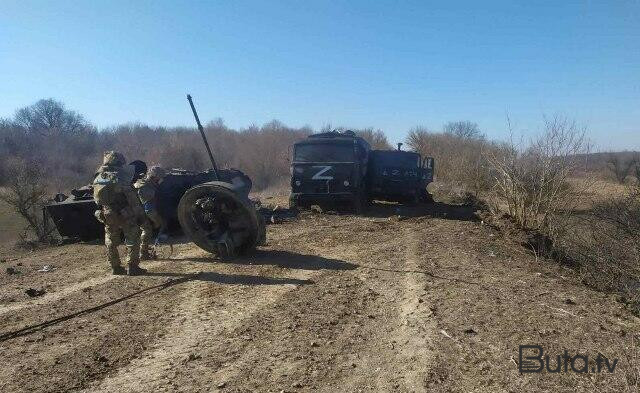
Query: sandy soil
433	301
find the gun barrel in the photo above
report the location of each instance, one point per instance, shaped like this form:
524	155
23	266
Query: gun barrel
204	137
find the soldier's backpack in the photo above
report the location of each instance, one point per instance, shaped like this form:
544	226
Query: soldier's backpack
109	185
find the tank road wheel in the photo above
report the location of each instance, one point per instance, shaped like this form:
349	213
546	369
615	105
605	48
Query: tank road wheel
219	220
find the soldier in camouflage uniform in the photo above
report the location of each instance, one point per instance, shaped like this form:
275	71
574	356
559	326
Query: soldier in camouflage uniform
120	211
147	188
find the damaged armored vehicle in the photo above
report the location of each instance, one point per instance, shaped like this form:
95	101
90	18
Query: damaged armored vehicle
212	208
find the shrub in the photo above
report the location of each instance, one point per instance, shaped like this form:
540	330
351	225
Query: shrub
620	167
532	183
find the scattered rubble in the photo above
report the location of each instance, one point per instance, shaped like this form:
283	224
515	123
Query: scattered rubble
11	270
35	292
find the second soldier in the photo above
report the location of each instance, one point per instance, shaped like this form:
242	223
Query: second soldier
147	188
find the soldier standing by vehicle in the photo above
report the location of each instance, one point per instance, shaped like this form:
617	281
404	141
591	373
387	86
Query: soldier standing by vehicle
147	188
120	211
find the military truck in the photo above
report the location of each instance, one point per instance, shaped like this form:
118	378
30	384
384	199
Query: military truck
400	176
330	169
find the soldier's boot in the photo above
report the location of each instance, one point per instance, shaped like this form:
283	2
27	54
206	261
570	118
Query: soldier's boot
133	256
119	270
146	253
135	270
114	260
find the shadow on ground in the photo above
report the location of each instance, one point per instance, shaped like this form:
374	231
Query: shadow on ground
237	279
435	209
280	258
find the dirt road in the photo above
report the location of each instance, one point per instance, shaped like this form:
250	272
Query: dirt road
332	303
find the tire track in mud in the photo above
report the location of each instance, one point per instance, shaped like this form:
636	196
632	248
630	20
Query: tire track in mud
115	333
417	327
195	324
206	314
361	339
398	354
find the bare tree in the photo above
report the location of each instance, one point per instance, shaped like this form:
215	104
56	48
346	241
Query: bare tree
419	139
461	166
462	129
619	167
377	139
49	118
26	192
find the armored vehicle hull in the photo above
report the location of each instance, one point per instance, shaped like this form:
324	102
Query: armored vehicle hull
74	217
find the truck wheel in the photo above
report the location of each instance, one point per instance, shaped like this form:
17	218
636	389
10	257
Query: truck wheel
426	197
219	220
360	204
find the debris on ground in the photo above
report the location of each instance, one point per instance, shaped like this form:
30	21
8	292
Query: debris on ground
35	292
277	215
11	270
191	358
47	268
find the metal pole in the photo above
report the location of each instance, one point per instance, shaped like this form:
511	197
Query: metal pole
204	137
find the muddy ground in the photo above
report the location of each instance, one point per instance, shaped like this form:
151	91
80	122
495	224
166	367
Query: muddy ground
435	302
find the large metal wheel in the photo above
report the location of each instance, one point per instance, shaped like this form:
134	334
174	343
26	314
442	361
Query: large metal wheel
220	219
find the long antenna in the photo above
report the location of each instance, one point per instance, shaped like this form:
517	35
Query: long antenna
204	137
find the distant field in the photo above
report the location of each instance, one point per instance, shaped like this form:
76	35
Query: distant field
10	225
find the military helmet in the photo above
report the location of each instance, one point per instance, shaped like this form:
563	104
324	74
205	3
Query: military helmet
113	158
157	172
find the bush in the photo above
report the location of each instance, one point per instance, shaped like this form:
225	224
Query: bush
532	183
620	167
604	244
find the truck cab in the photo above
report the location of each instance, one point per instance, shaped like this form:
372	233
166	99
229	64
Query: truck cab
400	176
329	168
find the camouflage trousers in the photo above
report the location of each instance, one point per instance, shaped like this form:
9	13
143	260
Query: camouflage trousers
115	226
149	226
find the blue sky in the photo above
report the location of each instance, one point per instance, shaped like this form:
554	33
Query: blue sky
386	64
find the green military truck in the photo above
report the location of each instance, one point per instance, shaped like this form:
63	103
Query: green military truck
330	169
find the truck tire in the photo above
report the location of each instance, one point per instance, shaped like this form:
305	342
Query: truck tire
220	220
360	203
425	196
